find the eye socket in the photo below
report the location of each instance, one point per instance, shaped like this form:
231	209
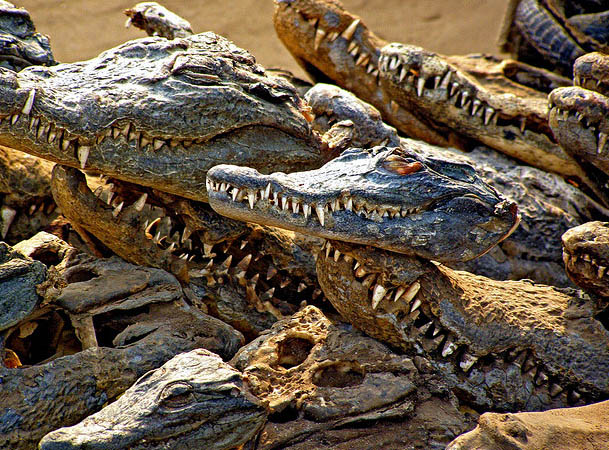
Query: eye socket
177	395
401	166
198	70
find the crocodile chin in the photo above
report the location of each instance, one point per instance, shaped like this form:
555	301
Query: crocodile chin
387	197
502	345
152	105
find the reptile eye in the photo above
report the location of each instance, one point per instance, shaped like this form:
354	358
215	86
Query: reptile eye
401	166
177	395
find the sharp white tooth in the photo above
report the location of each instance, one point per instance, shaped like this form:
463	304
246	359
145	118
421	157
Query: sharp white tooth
488	114
467	361
267	191
29	102
284	203
328	249
412	290
352	46
236	192
8	215
332	36
394	62
454	88
403	73
83	155
377	295
602	141
320	214
223	187
415	305
420	86
319	36
445	80
34	121
139	204
251	196
436	81
601	271
307	210
349	204
360	272
295	206
207	248
350	30
118	209
14	119
449	348
398	293
334	205
157	143
336	255
362	59
475	106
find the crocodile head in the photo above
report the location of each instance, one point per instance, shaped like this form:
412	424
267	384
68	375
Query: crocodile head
579	115
194	398
330	43
386	197
502	104
158	112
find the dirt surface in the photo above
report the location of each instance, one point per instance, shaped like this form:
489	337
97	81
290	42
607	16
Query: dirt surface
81	29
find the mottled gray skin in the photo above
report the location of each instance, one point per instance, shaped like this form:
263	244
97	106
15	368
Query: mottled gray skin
19	276
554	33
547	204
388	197
159	113
20	44
193	401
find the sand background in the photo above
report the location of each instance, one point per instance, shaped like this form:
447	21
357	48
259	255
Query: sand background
81	29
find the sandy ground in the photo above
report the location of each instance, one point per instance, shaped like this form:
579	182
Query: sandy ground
81	29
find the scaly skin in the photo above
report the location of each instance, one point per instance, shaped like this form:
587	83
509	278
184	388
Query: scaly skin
391	198
554	33
194	399
88	115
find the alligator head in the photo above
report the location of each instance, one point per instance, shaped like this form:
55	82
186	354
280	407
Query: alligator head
501	345
386	197
194	398
159	113
499	103
578	116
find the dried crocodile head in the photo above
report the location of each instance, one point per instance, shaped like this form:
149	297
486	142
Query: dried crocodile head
480	97
249	276
502	345
158	113
586	256
579	116
388	197
553	33
194	399
20	44
157	20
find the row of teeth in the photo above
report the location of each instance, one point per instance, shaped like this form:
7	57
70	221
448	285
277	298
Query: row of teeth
360	55
8	214
47	132
601	137
437	336
600	269
461	97
587	83
297	206
160	229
